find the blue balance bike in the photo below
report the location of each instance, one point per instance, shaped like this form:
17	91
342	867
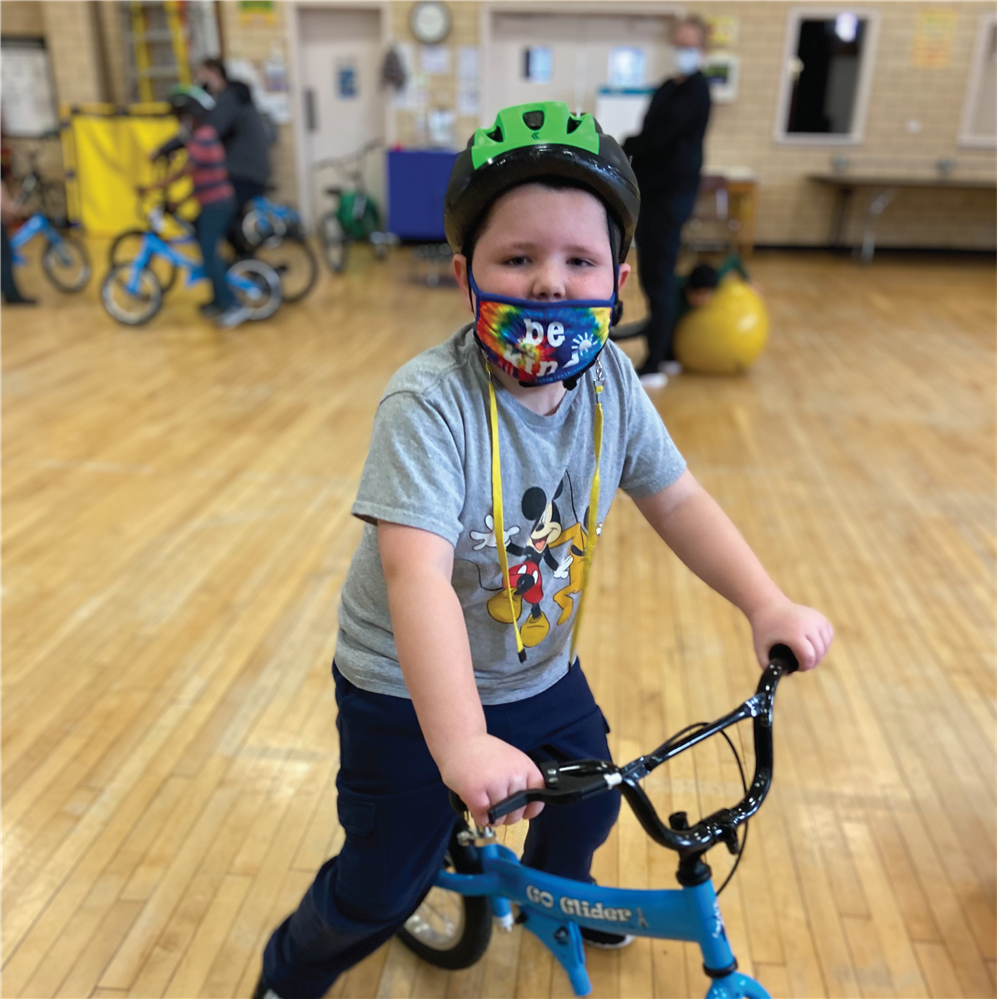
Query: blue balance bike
480	877
273	233
64	260
132	291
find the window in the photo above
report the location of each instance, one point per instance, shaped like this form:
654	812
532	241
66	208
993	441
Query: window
827	73
978	123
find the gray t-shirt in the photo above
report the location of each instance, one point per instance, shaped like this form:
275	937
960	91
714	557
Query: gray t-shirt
430	467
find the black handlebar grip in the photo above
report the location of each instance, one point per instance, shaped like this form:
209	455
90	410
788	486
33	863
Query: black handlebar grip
784	657
519	800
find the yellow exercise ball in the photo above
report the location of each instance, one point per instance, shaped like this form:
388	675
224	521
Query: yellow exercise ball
725	336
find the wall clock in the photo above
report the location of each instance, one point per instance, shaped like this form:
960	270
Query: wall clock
430	21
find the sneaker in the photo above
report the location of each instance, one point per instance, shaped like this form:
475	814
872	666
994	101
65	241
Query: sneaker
654	380
605	941
210	310
234	316
671	368
263	992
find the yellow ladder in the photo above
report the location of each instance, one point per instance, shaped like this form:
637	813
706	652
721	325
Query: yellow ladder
144	69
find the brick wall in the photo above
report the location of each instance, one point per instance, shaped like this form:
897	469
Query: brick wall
21	18
792	210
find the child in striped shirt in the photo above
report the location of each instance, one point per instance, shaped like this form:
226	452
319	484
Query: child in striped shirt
214	191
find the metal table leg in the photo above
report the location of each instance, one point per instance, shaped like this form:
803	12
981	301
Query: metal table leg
880	201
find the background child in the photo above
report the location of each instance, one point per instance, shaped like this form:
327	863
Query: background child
693	291
494	460
216	197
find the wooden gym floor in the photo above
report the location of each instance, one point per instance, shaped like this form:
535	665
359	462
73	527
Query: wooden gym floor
176	528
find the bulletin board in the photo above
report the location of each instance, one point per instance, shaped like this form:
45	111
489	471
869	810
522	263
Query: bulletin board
28	97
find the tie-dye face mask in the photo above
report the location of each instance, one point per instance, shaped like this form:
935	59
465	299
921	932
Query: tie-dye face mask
541	342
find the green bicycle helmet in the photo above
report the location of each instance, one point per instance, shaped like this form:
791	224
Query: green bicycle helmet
530	141
191	100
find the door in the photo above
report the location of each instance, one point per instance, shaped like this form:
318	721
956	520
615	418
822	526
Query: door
575	61
341	53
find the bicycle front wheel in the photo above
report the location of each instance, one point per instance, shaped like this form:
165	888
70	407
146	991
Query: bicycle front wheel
133	308
126	248
256	286
335	242
295	264
450	930
66	264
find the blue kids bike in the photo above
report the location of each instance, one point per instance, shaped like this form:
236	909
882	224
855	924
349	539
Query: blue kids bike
480	878
273	233
132	291
64	260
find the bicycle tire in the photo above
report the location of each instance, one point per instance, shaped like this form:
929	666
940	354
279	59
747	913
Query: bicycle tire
149	299
267	281
335	242
52	197
258	227
296	281
78	264
463	942
164	269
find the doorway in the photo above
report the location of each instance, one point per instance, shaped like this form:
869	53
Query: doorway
343	108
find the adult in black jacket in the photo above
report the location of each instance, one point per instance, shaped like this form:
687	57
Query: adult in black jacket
667	158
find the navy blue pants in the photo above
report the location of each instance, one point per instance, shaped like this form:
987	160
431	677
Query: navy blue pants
8	286
210	226
396	818
658	240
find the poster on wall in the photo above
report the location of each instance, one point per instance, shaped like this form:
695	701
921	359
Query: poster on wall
258	12
28	98
346	80
626	66
468	80
723	31
933	44
273	103
435	60
538	64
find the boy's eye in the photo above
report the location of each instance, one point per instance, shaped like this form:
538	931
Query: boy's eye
580	262
518	260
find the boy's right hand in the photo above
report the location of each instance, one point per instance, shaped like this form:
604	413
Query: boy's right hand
483	770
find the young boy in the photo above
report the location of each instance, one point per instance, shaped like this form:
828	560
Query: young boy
216	197
454	665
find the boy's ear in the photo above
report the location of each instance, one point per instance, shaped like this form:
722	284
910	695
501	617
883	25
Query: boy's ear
460	264
622	275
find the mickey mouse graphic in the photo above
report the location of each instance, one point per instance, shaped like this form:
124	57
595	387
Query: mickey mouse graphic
525	578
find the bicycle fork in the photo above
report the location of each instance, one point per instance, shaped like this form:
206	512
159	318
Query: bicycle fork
37	223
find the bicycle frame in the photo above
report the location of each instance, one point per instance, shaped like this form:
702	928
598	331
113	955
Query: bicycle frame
553	909
36	224
155	246
272	209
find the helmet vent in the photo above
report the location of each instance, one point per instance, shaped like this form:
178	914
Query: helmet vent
534	119
496	134
573	124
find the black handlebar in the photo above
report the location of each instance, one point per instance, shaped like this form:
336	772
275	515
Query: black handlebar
569	782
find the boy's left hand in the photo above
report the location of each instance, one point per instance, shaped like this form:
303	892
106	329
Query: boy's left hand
805	631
